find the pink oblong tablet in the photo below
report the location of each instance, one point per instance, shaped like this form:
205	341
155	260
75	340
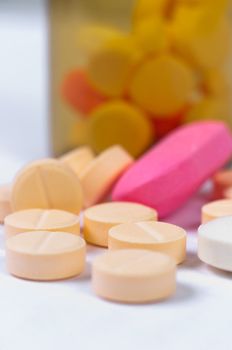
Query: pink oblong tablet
167	175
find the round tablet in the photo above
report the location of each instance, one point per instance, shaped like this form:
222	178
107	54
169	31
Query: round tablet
228	193
47	184
196	38
145	9
216	209
78	159
134	276
41	255
79	93
99	176
217	81
151	35
215	243
167	175
5	202
41	220
110	67
91	37
153	85
211	108
157	236
119	122
100	218
222	180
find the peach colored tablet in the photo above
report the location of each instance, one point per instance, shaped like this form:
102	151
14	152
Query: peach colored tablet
78	159
5	204
43	255
99	176
100	218
228	193
216	209
134	276
41	220
167	175
215	243
221	181
152	235
47	184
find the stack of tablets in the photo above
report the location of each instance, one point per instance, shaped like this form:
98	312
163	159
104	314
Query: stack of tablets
42	209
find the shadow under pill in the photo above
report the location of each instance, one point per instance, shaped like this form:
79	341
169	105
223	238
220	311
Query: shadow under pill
191	262
184	292
219	272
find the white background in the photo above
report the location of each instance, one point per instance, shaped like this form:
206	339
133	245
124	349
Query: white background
67	315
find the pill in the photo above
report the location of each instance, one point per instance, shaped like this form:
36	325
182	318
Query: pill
222	180
145	9
91	37
5	202
151	35
228	193
209	108
43	255
167	175
153	85
78	92
78	159
217	82
119	122
158	236
110	67
134	276
215	243
47	184
99	176
216	209
197	37
41	220
100	218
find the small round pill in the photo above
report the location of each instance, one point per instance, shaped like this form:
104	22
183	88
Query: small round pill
41	255
41	220
152	235
228	193
78	159
196	38
153	85
102	172
110	67
134	276
146	9
47	184
216	209
5	202
100	218
215	243
79	94
222	180
108	125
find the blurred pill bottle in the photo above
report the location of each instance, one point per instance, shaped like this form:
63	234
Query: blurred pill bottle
129	71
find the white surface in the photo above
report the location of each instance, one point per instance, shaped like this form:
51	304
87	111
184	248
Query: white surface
66	315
